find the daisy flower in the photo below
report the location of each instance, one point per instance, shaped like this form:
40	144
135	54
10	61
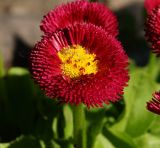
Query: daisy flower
152	30
80	63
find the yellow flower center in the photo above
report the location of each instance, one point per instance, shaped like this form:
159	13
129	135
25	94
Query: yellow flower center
76	61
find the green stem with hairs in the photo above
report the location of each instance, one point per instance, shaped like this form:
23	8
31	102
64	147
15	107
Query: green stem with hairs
79	126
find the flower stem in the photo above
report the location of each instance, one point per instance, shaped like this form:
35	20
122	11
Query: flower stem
79	126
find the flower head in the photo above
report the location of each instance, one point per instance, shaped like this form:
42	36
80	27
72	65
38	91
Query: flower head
80	11
80	64
154	104
153	29
151	4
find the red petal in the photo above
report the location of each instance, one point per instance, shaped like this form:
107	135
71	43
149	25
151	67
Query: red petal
79	12
153	30
151	4
154	104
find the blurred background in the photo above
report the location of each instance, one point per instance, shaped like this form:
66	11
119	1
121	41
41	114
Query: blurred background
28	119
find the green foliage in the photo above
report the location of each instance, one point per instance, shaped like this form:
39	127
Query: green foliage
23	141
148	141
29	119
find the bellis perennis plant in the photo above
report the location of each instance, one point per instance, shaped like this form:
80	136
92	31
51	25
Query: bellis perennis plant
79	60
79	63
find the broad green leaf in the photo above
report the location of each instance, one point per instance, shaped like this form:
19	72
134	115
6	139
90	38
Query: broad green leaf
49	144
155	127
135	116
42	144
61	124
152	68
54	128
96	120
4	145
102	142
53	144
68	129
118	139
65	143
148	141
128	99
139	117
65	127
17	71
2	71
21	103
3	100
23	142
29	142
48	111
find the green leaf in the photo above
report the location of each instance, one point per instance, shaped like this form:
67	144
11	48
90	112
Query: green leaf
135	116
139	117
21	103
96	120
25	142
49	144
65	127
102	142
17	71
61	124
47	114
119	139
4	145
2	71
3	100
68	117
3	96
148	141
152	67
154	129
22	142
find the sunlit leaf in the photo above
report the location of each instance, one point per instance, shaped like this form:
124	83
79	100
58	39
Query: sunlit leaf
2	71
119	139
23	142
139	117
155	127
68	129
102	142
148	141
136	116
4	145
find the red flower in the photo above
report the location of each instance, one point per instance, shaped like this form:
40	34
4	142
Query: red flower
153	29
150	4
80	11
80	64
154	104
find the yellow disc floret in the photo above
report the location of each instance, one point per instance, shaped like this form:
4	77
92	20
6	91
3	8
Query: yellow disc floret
76	61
